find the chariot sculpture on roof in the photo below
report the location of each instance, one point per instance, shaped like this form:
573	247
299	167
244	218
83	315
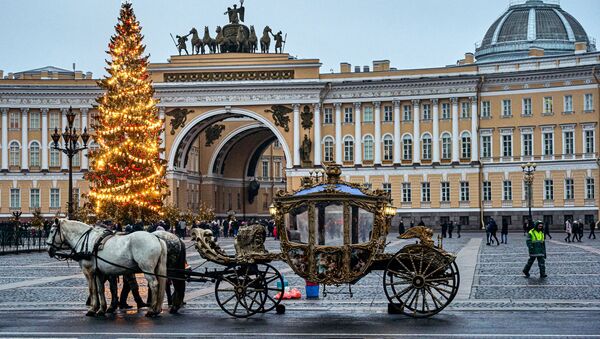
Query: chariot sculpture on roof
233	37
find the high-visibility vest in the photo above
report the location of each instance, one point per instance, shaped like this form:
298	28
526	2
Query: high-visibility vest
536	236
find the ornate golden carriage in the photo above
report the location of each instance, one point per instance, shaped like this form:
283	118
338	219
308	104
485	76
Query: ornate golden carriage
332	232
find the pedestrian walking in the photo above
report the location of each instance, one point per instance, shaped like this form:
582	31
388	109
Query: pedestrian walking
525	227
458	227
181	228
450	229
444	229
401	229
547	230
568	230
575	230
491	230
592	229
581	229
504	232
537	249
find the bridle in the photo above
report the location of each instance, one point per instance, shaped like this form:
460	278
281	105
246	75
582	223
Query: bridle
51	242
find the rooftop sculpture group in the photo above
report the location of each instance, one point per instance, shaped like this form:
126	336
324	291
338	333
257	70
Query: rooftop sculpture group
231	38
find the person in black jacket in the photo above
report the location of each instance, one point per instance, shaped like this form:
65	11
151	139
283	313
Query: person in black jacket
547	230
450	229
504	232
592	229
444	229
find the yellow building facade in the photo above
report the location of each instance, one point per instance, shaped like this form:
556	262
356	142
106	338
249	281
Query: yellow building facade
447	142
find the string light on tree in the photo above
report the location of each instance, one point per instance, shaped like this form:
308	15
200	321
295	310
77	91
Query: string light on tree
127	173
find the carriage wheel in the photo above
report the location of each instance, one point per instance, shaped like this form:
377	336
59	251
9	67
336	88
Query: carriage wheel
238	291
420	281
270	293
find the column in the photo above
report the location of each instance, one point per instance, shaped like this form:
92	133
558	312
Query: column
64	166
377	157
297	144
84	153
317	138
4	139
24	140
474	131
161	117
455	136
397	137
44	139
436	131
416	132
357	135
338	132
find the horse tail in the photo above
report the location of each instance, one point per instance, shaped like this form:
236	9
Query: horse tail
161	271
179	283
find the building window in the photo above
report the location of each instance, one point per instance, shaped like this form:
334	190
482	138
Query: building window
486	109
276	144
15	153
486	146
526	107
548	143
54	121
548	105
407	115
445	191
348	115
278	170
387	114
568	143
34	120
367	185
426	144
407	147
487	191
445	111
527	144
328	116
406	192
265	169
507	190
464	109
387	187
426	112
368	147
54	158
569	194
77	157
589	188
507	145
506	108
328	149
76	197
14	120
548	189
464	191
446	146
34	154
54	198
348	149
34	198
425	192
588	102
368	114
568	104
589	141
15	198
465	145
388	148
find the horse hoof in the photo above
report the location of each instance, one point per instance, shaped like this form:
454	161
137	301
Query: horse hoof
100	314
173	310
90	314
110	310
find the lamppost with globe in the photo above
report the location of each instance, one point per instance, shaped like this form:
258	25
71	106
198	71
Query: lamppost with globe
528	170
70	148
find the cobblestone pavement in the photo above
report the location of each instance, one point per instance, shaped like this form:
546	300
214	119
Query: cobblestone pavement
33	281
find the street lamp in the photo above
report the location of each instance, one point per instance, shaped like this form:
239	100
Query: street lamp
528	170
70	148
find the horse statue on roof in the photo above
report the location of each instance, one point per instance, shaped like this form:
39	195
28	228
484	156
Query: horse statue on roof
265	40
197	45
208	41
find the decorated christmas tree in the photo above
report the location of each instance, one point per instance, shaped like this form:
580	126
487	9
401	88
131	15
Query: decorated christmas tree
127	175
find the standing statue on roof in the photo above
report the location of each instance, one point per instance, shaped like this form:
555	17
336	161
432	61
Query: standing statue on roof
236	14
279	41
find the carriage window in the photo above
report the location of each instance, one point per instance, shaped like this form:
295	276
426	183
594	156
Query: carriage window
330	224
297	224
362	225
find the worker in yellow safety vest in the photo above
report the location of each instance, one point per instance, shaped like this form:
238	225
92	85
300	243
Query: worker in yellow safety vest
537	249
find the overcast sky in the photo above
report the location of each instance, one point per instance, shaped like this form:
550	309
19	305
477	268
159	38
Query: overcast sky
409	33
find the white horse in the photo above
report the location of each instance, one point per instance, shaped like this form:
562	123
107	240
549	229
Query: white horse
135	252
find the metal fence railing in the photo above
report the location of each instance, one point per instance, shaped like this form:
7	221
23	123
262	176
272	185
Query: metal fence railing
22	238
